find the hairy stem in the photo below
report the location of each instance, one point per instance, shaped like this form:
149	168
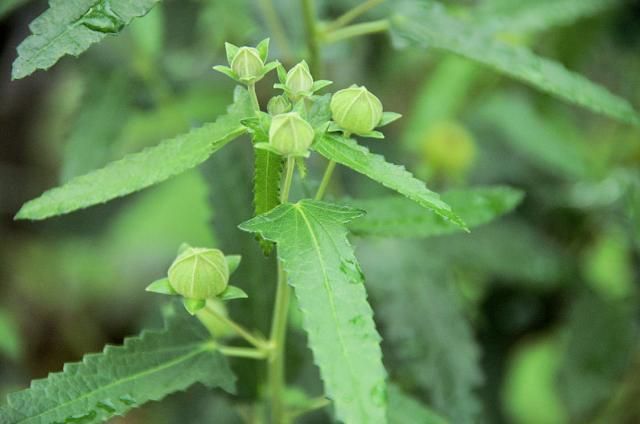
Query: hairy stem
326	178
352	14
311	29
242	352
356	30
237	328
279	324
254	97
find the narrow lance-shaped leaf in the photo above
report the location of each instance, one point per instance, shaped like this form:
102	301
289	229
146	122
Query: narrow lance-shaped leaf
321	266
71	27
429	25
110	383
266	185
137	171
529	16
347	152
395	216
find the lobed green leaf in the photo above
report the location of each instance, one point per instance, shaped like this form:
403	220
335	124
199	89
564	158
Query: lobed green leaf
430	26
71	27
347	152
396	216
321	266
107	384
140	170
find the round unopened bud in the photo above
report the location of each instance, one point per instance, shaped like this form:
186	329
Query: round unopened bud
299	80
199	273
449	149
356	110
290	135
278	105
247	63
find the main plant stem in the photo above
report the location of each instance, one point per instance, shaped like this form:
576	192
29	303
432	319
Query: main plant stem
311	30
275	369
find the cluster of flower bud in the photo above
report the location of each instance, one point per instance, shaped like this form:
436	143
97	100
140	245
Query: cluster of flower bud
354	110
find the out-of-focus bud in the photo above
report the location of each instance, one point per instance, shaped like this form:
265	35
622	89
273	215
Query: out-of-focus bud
290	135
449	149
356	110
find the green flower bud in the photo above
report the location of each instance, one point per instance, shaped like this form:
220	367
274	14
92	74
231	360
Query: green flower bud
290	135
247	63
299	80
356	110
278	105
199	273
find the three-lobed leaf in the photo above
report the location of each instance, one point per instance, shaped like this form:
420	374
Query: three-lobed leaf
71	27
396	216
429	25
107	384
140	170
347	152
320	264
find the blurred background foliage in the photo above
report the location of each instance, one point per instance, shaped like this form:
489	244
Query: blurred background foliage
531	319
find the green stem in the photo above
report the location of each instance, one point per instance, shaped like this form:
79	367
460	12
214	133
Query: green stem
276	28
356	30
311	30
240	330
254	97
242	352
326	178
352	14
279	324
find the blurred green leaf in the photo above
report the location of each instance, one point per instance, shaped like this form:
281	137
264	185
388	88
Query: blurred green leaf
430	26
140	170
145	368
403	409
600	338
424	326
320	264
439	98
349	153
532	134
529	16
89	143
71	28
399	217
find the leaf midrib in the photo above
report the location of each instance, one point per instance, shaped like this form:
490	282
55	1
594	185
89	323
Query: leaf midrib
203	347
327	287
